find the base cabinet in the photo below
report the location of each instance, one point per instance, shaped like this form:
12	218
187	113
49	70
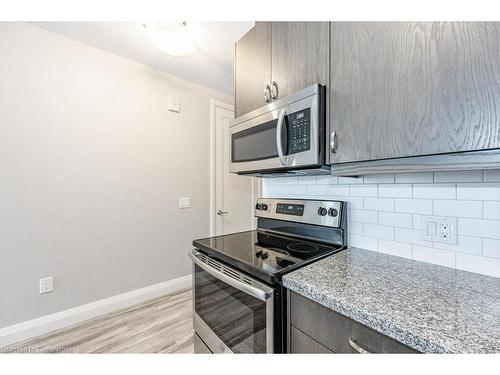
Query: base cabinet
314	328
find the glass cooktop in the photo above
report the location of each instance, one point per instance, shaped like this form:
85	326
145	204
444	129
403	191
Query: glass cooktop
266	256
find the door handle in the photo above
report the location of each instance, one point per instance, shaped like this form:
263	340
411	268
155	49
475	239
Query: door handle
274	95
267	93
356	347
279	145
333	141
220	212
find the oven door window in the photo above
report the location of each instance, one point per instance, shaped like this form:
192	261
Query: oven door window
257	142
237	318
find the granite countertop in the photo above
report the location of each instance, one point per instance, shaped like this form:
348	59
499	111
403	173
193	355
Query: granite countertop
430	308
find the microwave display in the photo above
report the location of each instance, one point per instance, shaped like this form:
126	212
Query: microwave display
299	131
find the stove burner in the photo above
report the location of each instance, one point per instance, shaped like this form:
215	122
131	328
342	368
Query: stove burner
301	247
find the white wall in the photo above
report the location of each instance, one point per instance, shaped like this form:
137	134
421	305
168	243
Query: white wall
91	167
385	213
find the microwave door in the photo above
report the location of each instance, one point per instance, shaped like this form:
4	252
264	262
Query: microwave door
260	143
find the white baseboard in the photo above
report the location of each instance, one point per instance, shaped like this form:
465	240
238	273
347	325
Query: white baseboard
45	324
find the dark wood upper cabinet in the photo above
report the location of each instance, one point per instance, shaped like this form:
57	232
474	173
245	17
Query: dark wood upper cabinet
402	89
300	52
252	68
286	56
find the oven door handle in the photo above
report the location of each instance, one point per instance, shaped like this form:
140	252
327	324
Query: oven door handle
257	290
279	128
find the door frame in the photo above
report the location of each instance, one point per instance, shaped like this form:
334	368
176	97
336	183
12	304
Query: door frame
256	186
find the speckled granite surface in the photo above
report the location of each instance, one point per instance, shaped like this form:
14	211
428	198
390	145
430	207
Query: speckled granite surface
430	308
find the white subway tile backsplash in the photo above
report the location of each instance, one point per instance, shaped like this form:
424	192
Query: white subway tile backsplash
491	248
385	212
394	190
492	175
480	228
416	206
316	189
465	244
437	256
363	216
434	191
417	221
306	180
338	190
325	180
379	231
379	204
355	228
479	264
395	219
414	178
297	190
354	203
363	190
412	236
459	176
399	249
363	242
379	179
472	209
491	210
350	180
476	191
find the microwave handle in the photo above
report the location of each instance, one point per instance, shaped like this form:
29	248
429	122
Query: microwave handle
279	128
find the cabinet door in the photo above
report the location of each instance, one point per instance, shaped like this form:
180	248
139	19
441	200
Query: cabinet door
411	88
252	68
299	55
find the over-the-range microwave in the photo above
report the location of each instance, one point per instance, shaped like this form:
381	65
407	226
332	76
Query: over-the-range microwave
282	138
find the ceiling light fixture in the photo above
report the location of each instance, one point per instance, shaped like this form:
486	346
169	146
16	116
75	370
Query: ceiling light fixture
173	39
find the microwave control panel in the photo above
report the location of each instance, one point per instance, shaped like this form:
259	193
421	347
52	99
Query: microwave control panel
299	131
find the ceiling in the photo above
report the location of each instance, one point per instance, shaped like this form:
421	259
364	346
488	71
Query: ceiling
211	66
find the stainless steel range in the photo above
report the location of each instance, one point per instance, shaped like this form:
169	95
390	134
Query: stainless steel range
239	305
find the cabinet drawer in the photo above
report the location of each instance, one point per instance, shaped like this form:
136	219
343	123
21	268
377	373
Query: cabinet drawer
337	332
300	343
327	327
372	341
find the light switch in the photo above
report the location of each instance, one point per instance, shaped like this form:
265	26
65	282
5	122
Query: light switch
174	104
184	202
431	228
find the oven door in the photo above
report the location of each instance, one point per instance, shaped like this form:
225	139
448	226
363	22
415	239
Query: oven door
232	313
278	136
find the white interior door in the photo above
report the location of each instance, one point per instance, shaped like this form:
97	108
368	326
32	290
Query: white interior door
233	196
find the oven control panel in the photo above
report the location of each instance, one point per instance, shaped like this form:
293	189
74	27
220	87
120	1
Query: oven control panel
290	209
299	131
308	211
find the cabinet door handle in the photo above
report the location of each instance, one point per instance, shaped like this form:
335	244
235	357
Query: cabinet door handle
274	91
356	347
220	212
333	141
267	93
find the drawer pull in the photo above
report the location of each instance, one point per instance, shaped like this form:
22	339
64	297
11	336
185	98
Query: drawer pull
356	347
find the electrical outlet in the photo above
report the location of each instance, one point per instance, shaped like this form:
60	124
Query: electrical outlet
439	229
184	203
46	285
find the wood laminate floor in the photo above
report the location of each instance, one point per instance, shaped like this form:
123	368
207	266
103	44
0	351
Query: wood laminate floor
162	325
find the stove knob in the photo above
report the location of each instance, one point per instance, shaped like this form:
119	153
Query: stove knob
258	254
333	212
263	206
258	206
322	211
264	255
